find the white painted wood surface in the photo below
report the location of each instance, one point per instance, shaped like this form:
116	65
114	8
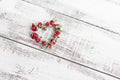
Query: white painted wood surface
104	14
19	62
83	44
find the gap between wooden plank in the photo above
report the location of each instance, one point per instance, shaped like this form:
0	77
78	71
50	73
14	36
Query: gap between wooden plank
20	62
100	27
61	57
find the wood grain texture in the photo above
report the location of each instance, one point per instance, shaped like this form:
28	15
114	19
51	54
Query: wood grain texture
105	17
19	62
79	42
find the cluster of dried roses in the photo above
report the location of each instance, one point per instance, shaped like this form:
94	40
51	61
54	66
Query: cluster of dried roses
44	27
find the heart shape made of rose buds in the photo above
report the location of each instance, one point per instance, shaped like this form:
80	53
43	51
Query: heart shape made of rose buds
44	26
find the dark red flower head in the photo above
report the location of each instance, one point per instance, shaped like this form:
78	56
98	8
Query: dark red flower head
52	22
58	32
45	28
49	45
38	40
33	25
44	43
54	42
34	35
47	24
55	35
39	24
34	28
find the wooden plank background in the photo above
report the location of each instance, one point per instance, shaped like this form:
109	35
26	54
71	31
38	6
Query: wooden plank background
19	62
83	52
103	14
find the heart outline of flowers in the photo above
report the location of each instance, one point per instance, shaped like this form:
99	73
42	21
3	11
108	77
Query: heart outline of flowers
44	26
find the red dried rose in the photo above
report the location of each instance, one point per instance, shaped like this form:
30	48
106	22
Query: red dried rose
38	40
39	24
34	28
33	25
58	32
55	35
47	24
44	43
54	42
55	25
44	28
49	45
52	22
34	35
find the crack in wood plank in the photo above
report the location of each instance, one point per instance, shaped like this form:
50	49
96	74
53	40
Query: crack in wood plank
9	76
62	58
40	67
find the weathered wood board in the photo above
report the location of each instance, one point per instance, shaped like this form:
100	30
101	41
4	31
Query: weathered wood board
104	14
80	42
19	62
